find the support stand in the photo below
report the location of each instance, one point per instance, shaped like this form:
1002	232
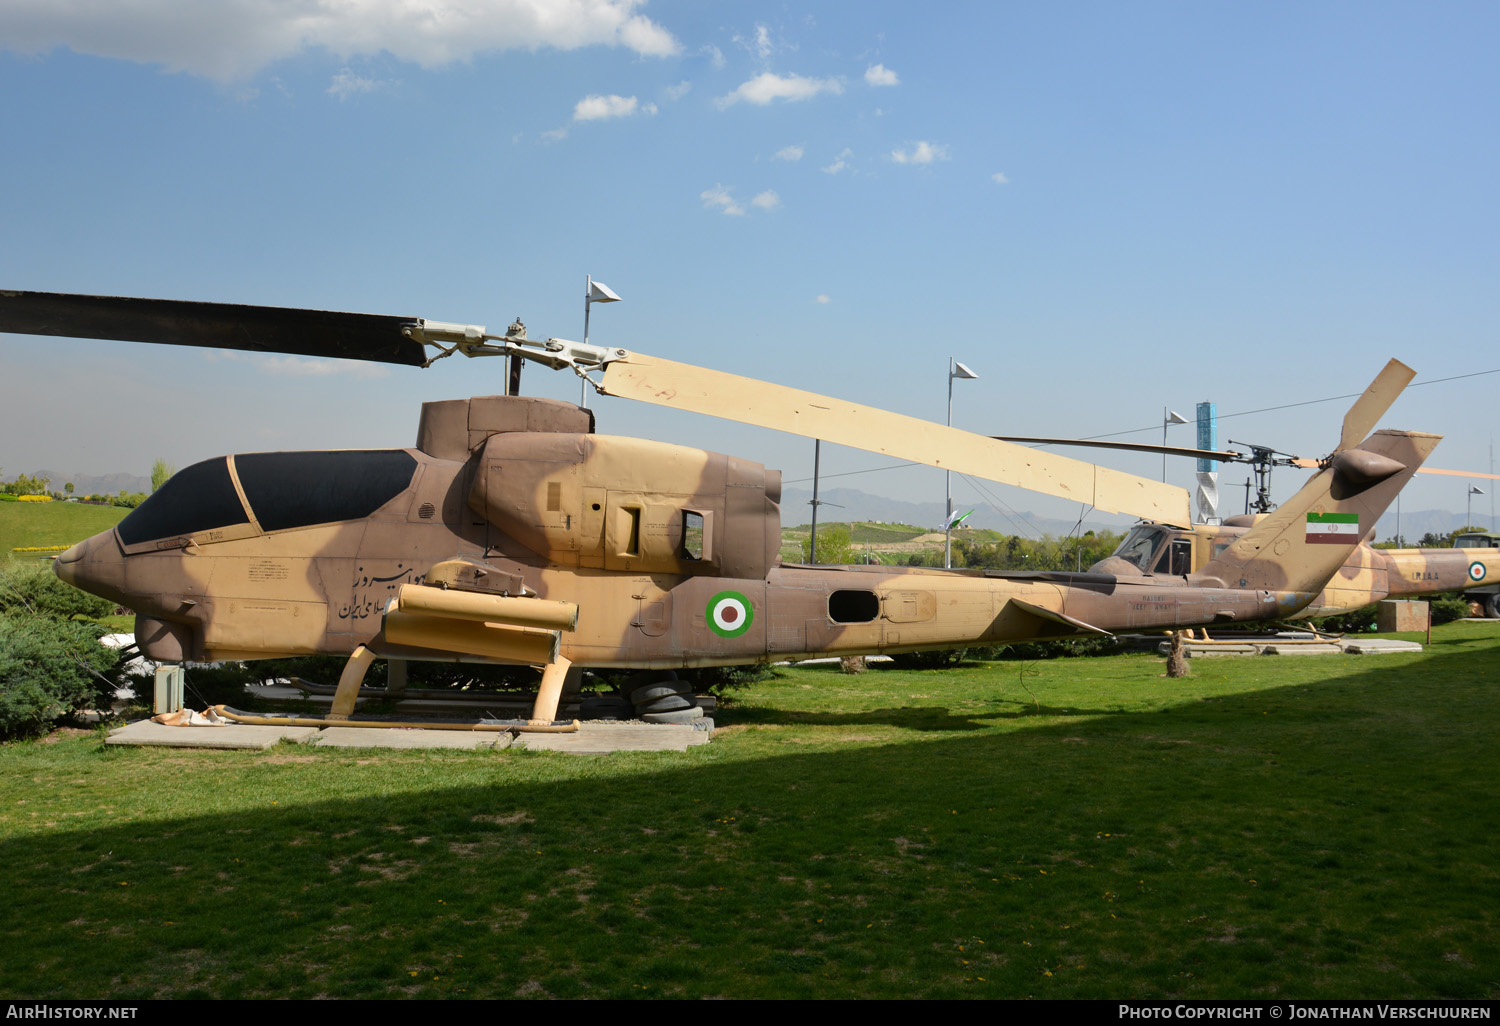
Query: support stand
167	697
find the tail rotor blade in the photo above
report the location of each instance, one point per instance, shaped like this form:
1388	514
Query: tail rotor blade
1370	407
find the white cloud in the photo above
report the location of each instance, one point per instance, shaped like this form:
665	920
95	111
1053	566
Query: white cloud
840	163
764	88
999	179
880	75
921	153
824	299
788	153
762	42
714	54
767	200
301	366
232	41
761	45
346	84
719	197
594	108
555	134
679	90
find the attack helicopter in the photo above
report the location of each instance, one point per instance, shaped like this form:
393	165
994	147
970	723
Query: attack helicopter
511	532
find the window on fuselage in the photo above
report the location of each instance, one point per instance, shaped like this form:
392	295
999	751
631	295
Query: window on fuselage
299	489
1138	546
692	534
1176	559
197	499
853	606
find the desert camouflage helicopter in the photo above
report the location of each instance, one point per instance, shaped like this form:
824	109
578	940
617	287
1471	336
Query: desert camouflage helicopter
512	533
1368	575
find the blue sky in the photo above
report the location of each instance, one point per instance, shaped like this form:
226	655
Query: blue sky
1101	208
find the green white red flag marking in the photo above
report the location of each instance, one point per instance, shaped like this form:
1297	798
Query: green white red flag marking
729	614
1476	571
1332	528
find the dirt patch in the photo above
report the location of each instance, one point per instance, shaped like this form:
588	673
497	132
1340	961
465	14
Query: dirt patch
64	734
514	817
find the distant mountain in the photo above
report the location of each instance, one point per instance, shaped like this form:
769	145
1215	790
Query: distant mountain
853	504
842	504
86	484
1425	521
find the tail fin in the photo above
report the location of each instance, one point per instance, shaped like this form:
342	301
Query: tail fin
1301	545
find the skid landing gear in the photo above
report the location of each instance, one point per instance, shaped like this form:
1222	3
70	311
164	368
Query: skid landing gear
543	713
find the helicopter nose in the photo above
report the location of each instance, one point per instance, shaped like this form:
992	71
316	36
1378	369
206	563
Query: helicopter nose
95	565
66	563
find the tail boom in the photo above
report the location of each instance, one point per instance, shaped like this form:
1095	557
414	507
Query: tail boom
1302	545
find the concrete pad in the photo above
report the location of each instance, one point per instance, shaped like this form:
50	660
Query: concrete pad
1302	649
1195	651
394	737
1379	646
600	738
237	735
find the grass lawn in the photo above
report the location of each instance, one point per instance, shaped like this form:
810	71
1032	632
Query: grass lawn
1313	827
25	524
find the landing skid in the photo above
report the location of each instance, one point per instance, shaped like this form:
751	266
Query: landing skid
295	720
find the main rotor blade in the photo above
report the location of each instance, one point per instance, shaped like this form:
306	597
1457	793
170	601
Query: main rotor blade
262	329
1457	473
1218	455
715	393
1370	407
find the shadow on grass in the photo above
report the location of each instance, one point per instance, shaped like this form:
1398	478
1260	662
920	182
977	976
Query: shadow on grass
1314	841
920	718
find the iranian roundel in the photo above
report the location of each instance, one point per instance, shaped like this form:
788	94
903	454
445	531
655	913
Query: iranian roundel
729	614
1476	571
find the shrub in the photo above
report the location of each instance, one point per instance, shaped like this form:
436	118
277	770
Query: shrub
33	587
938	660
1094	645
1355	621
1447	608
49	668
717	680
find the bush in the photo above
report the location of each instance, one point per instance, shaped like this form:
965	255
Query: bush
49	668
1356	621
1447	608
717	680
1094	645
939	660
31	586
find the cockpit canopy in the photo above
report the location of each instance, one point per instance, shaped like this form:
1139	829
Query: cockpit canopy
1154	549
282	490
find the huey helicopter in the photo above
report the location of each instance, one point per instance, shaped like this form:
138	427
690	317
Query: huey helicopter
512	533
1368	575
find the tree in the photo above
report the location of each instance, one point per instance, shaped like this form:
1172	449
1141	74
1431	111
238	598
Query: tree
159	473
834	546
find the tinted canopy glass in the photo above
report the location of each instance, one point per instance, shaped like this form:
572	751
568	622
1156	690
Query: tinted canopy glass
194	500
298	489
